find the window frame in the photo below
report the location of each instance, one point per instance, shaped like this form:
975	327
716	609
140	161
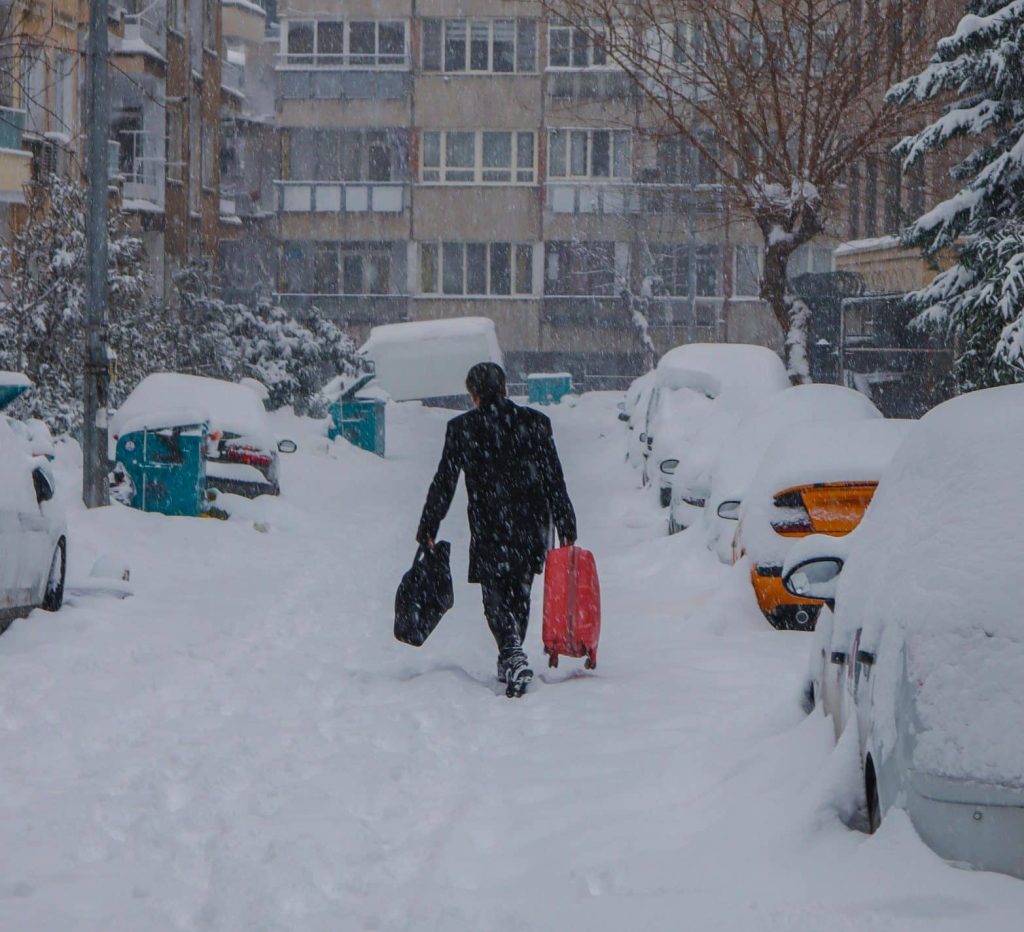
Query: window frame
615	136
307	256
346	59
437	287
439	174
443	23
589	248
560	26
759	262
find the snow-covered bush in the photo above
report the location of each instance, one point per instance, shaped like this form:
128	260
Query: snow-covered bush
980	300
42	289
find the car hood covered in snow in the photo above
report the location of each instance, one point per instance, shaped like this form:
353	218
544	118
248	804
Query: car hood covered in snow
936	570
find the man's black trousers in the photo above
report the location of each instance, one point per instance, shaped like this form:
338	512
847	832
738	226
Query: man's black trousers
507	609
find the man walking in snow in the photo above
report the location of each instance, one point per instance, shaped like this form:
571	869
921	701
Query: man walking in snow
516	490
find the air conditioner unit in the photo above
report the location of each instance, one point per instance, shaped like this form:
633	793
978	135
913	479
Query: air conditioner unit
44	159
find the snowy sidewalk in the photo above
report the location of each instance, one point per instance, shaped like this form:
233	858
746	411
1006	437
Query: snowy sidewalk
243	746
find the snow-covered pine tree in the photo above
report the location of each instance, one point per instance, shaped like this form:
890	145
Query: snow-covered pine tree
980	300
42	289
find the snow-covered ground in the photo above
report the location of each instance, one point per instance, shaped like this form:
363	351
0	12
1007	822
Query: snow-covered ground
242	745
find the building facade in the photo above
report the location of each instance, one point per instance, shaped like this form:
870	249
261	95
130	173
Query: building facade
468	157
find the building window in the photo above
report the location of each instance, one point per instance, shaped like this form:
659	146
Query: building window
672	265
493	269
206	136
580	268
478	157
346	155
175	166
809	258
681	162
211	17
569	47
747	272
64	103
496	46
688	43
588	153
346	43
33	90
338	268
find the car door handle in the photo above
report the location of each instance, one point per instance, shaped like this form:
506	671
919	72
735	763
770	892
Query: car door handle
838	657
865	657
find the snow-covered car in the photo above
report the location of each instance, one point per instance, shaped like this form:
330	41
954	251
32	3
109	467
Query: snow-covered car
33	531
633	411
818	478
695	383
924	654
241	450
742	450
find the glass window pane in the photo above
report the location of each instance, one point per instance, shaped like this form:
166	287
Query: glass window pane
556	153
479	45
428	268
431	45
379	160
497	150
580	48
330	38
598	56
301	153
476	268
578	153
352	268
431	150
600	154
501	268
621	166
748	277
524	157
362	41
526	45
300	38
378	273
558	48
391	37
708	266
351	156
454	45
524	269
327	165
504	45
452	254
325	274
460	152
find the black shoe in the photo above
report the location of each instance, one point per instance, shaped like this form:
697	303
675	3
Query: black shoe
517	677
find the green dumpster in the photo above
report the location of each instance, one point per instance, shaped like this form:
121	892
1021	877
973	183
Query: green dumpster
548	388
360	420
165	468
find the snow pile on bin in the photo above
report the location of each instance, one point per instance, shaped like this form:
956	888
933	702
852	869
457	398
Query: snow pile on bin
430	358
936	566
170	398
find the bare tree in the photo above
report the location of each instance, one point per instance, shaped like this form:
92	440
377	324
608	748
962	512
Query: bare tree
780	96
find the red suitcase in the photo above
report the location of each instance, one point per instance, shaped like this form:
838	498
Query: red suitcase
572	605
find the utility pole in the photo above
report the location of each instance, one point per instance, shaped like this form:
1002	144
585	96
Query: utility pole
95	491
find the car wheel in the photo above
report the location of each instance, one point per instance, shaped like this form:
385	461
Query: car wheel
665	496
53	599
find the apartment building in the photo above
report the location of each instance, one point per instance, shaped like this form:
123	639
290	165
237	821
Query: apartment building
467	157
165	89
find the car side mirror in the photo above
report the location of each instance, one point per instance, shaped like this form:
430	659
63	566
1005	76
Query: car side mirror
730	510
287	446
43	485
643	438
669	467
816	578
623	416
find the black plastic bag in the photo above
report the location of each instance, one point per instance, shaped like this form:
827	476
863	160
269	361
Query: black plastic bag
424	594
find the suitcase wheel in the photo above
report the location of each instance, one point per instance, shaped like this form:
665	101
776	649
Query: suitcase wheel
552	660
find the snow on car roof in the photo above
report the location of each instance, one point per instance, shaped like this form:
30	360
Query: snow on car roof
741	453
226	405
937	562
415	331
714	368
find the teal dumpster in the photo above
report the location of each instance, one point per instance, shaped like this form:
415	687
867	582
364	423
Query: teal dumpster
360	420
548	388
165	468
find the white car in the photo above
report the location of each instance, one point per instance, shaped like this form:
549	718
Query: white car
33	531
741	451
695	383
634	413
924	655
241	450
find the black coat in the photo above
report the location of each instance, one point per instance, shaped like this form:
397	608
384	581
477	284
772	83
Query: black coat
514	484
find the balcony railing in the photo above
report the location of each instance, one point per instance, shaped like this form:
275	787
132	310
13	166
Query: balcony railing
350	197
599	84
12	126
305	82
148	26
350	309
597	197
